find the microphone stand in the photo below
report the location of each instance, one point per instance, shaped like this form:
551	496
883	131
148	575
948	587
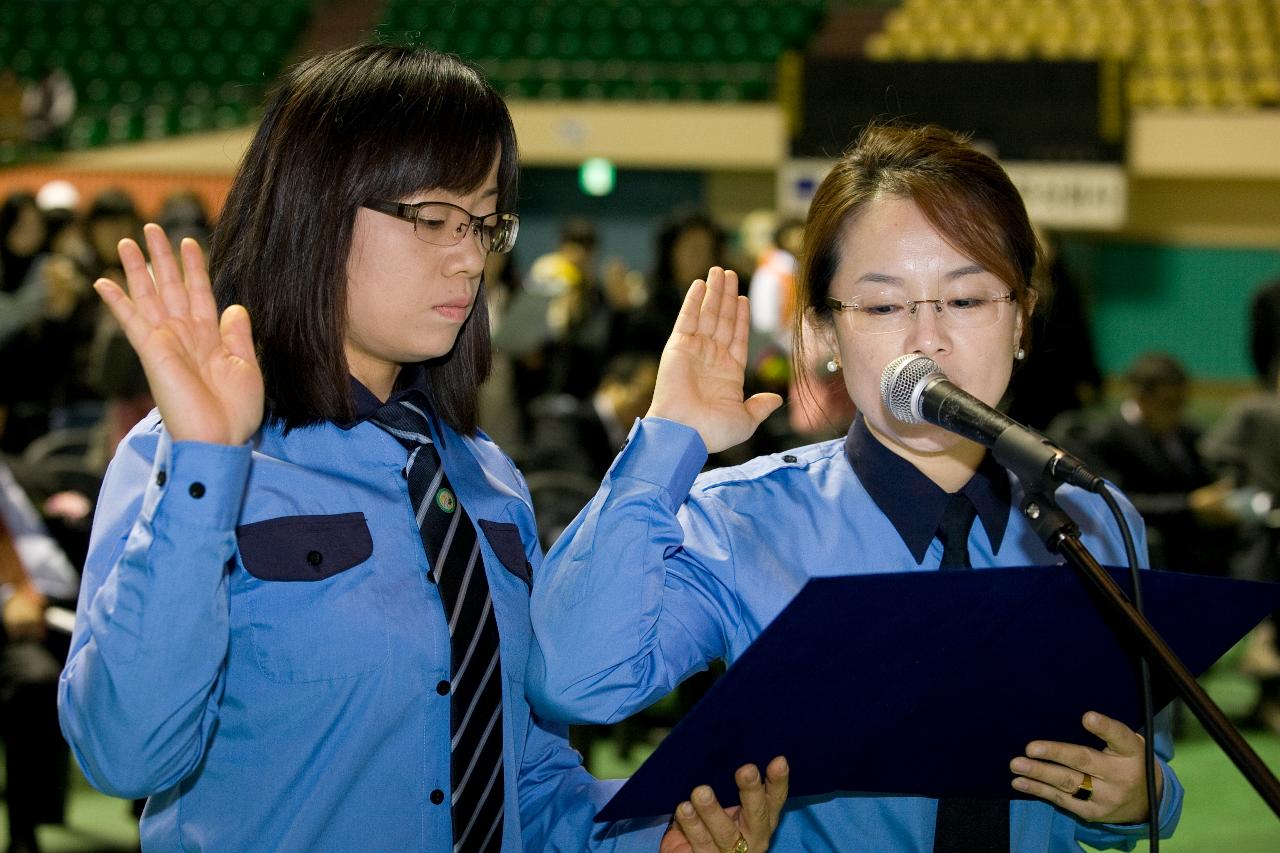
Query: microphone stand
1062	536
1042	467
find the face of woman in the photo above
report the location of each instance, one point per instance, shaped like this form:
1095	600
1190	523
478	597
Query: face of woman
407	299
692	254
892	248
28	232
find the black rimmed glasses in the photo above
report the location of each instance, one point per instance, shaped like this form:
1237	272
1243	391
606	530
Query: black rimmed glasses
442	224
877	313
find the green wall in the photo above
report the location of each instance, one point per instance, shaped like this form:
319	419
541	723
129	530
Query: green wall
1190	301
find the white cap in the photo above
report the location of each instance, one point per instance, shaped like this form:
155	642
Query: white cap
58	195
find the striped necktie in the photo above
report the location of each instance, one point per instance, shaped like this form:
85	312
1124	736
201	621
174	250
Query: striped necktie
966	824
476	670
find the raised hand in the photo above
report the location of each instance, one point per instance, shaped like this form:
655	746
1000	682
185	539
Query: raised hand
700	377
703	826
1116	783
203	372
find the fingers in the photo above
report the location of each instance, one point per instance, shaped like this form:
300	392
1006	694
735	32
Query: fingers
1071	755
142	288
1065	779
778	775
1055	772
168	278
1119	738
1060	798
687	319
237	332
709	312
135	326
709	827
741	331
693	828
723	829
761	405
756	820
728	310
199	288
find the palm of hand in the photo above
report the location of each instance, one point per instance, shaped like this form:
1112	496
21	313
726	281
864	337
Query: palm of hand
204	390
700	377
203	372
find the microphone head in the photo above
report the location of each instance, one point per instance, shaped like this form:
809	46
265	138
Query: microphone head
902	383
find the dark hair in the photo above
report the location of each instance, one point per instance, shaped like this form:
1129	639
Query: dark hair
364	122
1152	371
1264	332
675	226
580	232
109	203
963	193
13	268
11	206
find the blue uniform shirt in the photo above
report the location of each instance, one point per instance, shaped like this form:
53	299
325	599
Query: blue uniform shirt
662	574
258	649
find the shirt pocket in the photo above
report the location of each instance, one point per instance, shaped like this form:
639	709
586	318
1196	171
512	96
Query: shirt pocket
504	539
314	610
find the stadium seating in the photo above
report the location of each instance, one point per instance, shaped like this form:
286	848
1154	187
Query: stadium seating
1180	53
714	50
152	68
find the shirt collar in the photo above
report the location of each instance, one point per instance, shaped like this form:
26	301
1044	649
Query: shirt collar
913	502
411	384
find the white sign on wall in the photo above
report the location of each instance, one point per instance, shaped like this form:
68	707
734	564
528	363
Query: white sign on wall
1093	196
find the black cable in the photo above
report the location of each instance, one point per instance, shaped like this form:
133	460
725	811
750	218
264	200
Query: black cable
1148	712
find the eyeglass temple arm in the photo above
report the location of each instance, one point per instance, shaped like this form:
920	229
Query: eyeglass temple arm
404	211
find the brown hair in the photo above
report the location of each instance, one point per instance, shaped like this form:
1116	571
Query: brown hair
372	121
963	193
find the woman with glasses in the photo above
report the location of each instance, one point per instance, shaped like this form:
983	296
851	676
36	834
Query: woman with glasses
304	620
916	243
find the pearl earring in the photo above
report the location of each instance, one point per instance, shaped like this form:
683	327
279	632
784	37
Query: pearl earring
833	365
1020	354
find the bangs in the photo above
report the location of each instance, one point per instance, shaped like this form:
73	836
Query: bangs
413	121
966	224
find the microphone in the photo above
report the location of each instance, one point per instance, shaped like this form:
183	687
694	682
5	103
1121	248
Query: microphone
915	390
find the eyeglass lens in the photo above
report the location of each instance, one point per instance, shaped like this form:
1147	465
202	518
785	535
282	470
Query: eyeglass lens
888	311
444	225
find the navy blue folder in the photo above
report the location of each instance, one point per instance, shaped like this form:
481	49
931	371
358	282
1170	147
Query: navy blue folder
928	683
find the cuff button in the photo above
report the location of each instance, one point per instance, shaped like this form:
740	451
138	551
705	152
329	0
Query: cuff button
196	490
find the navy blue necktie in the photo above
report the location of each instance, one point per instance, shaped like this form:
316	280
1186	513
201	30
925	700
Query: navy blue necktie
964	824
476	669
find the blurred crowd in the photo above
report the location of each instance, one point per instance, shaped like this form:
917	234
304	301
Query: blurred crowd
70	388
34	113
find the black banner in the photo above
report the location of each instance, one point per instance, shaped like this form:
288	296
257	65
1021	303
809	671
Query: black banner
1045	111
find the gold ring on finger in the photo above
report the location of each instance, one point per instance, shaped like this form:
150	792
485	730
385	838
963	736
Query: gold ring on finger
739	847
1085	789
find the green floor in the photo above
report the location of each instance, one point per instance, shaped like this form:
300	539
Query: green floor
1221	812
